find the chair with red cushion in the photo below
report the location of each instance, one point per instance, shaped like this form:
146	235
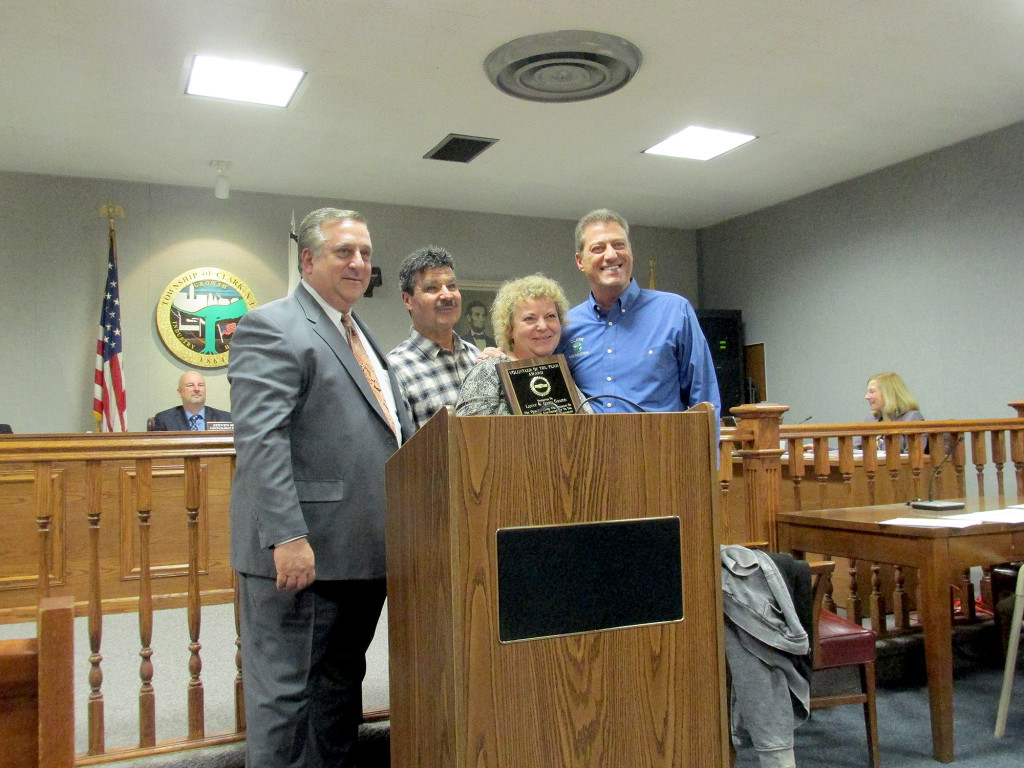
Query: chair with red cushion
839	642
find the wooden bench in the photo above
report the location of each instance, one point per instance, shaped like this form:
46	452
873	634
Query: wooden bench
37	728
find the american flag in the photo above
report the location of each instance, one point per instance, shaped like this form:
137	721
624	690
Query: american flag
109	401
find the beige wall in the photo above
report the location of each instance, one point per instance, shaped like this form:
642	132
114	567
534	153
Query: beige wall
53	250
915	268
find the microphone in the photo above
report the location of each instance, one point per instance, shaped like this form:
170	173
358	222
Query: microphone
939	505
613	397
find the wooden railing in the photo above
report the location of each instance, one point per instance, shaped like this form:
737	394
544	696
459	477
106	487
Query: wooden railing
766	468
133	522
139	522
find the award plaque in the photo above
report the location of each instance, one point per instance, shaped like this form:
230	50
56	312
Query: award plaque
539	385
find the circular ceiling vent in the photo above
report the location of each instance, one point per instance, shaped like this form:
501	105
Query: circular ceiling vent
571	65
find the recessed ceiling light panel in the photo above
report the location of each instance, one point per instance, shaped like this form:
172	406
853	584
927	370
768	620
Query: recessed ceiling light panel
242	81
570	65
697	143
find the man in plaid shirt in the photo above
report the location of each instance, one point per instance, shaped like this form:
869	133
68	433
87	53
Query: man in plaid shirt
431	364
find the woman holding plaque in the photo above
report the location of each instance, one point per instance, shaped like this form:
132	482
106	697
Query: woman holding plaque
527	317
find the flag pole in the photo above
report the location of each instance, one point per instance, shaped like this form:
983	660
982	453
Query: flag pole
108	211
293	258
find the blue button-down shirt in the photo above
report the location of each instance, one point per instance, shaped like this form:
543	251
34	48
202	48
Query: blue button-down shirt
648	349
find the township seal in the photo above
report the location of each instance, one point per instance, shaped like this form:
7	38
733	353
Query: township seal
197	313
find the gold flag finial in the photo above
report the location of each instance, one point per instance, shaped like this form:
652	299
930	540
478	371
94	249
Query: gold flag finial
651	279
110	210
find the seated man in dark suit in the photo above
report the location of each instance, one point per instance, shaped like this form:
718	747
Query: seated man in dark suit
193	413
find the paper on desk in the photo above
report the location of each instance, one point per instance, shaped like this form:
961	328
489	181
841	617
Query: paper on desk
1009	515
929	522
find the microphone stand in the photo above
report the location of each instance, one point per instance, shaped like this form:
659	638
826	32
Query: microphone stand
939	506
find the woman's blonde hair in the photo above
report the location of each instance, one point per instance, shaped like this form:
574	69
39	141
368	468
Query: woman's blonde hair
896	398
511	294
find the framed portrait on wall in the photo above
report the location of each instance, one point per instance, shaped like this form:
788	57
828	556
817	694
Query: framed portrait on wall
475	324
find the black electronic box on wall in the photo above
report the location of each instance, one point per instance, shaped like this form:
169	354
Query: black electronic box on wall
723	329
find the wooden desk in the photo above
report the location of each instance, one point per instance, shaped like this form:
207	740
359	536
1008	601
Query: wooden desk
938	554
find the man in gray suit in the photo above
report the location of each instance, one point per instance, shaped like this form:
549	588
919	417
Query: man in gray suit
312	432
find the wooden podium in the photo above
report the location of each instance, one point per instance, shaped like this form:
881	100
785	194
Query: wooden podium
554	593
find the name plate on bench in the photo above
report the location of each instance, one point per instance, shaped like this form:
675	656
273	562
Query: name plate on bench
566	579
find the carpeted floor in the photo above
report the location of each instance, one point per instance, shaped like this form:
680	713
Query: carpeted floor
830	739
836	738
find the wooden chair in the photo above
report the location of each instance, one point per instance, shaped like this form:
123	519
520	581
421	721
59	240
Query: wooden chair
1011	655
842	643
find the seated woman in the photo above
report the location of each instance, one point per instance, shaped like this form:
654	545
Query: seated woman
527	317
890	400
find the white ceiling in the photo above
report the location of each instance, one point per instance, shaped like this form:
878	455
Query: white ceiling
833	88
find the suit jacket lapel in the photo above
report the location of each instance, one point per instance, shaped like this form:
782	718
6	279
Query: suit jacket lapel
182	417
325	328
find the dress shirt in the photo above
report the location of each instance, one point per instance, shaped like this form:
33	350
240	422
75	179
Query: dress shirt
649	348
430	376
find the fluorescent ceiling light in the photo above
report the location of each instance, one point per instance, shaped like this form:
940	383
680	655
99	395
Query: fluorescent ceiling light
698	143
243	81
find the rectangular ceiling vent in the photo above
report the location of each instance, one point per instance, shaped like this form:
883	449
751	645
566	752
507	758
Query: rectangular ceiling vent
456	148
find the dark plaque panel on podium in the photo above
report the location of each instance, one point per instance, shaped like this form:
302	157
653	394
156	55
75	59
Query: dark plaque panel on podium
563	579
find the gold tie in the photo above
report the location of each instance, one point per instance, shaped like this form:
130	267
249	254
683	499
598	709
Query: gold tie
364	362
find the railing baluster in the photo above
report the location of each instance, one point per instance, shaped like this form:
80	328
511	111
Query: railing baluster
979	457
869	449
846	466
44	505
196	714
725	449
829	601
239	691
877	600
959	461
900	600
796	471
147	695
966	587
892	463
854	609
916	457
822	469
94	510
998	460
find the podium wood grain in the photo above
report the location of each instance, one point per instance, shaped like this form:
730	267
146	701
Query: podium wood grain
650	695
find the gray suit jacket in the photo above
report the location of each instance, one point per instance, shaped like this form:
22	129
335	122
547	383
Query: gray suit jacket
175	419
310	440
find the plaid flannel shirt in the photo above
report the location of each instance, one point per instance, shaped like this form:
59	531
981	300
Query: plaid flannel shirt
429	375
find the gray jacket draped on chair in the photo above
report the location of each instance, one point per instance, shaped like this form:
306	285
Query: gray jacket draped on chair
764	640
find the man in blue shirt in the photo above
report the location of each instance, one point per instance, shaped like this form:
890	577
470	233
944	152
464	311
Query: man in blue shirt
628	342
